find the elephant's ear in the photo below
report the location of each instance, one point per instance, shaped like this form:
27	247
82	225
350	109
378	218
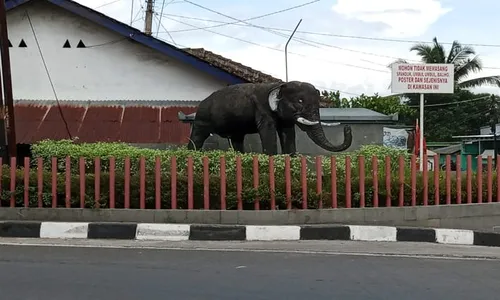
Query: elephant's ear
273	98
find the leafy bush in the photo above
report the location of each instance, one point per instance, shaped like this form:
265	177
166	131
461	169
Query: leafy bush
104	151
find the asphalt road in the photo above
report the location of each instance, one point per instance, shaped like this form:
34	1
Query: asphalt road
62	273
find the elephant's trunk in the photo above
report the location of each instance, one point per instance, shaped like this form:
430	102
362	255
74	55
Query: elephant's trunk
315	132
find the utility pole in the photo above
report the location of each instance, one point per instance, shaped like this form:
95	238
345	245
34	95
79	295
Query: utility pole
148	20
7	82
286	49
3	131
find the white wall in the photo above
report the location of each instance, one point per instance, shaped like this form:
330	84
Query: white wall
116	71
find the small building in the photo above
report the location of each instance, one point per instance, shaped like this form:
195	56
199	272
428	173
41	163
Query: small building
453	151
111	81
475	145
368	127
92	57
481	144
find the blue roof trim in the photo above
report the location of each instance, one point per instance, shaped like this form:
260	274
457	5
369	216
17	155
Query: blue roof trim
14	3
138	36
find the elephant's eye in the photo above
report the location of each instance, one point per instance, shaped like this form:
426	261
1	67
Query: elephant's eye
300	100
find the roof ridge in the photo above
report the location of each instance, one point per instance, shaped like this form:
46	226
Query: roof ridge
245	72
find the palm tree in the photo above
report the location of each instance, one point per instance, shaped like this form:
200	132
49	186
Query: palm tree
463	57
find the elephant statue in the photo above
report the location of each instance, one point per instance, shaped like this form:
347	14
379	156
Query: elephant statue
264	108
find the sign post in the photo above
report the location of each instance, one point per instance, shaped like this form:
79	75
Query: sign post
422	79
421	133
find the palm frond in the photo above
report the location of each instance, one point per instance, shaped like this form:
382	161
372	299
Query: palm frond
459	53
439	53
425	52
454	50
489	80
465	68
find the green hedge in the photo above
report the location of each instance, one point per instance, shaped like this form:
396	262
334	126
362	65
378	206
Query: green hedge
61	149
89	151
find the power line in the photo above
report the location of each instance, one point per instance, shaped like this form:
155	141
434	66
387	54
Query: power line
176	2
237	20
222	23
307	42
269	29
318	86
276	49
160	24
161	13
452	103
159	21
135	19
301	40
389	40
304	41
141	10
132	12
106	4
265	15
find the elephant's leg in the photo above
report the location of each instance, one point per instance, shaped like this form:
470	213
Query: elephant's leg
237	143
198	136
287	140
267	133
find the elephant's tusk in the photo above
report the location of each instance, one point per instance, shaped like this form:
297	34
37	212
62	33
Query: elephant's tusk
306	121
329	124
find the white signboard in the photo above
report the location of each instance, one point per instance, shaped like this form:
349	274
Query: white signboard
422	78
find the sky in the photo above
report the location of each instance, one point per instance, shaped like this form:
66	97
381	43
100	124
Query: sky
343	45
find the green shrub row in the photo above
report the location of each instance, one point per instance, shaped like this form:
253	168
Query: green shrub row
104	151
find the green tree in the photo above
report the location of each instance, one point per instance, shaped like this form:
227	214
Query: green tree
333	99
387	105
462	114
458	115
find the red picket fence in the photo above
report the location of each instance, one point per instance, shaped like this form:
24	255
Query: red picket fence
27	186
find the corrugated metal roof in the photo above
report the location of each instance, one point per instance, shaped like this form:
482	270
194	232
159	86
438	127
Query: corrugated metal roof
449	149
122	102
486	153
130	124
339	114
354	114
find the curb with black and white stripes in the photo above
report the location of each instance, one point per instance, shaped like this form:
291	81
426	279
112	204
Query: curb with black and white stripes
200	232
